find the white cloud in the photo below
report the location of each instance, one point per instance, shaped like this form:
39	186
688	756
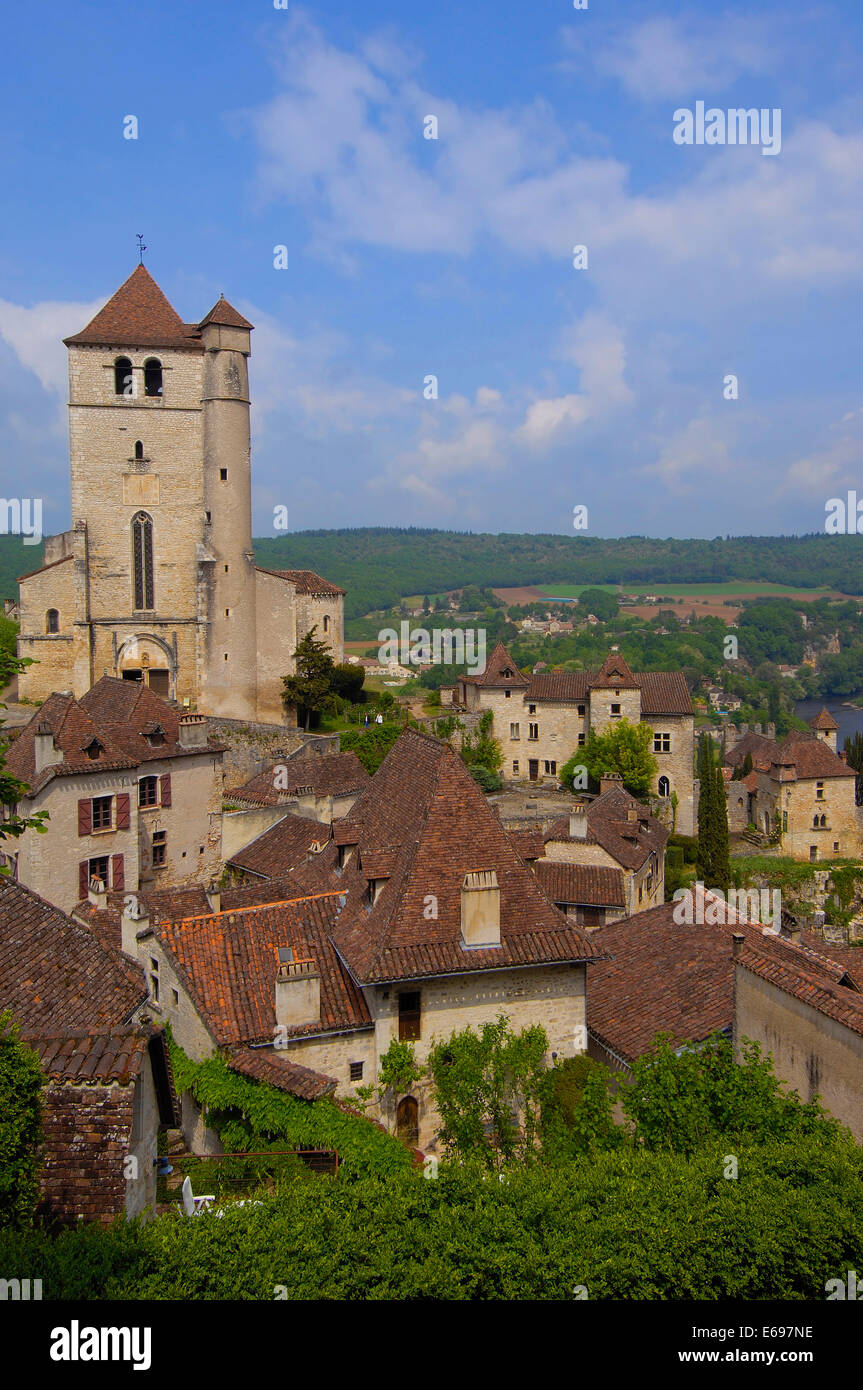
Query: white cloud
36	337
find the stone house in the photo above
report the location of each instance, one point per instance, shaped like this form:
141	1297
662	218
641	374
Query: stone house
543	719
807	1010
156	581
132	789
108	1087
613	832
417	918
800	785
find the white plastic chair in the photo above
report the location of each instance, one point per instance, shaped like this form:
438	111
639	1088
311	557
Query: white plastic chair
192	1205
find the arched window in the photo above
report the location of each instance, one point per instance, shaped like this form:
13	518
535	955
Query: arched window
139	449
823	820
123	379
407	1121
326	622
664	786
142	560
815	822
52	620
152	377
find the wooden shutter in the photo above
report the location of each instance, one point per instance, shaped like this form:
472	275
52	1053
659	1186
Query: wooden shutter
83	877
123	811
85	816
165	789
118	874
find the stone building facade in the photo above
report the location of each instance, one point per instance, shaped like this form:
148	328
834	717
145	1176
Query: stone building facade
543	719
156	581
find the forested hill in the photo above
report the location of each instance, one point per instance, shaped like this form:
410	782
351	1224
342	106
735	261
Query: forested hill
380	565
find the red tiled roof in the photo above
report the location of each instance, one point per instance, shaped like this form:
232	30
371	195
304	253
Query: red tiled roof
762	750
116	713
424	807
55	974
229	960
281	848
823	720
662	692
529	843
590	885
797	974
628	842
137	315
614	671
812	756
115	1055
499	662
305	582
334	774
270	1065
224	313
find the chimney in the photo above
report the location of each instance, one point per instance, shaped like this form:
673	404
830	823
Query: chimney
578	821
193	731
135	918
44	750
298	990
738	938
844	756
771	730
632	812
97	893
609	780
480	909
214	896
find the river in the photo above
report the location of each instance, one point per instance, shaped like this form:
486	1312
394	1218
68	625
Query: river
850	721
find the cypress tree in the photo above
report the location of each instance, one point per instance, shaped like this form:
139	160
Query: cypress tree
721	864
704	854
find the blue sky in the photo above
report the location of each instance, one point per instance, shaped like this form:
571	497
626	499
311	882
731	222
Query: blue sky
452	257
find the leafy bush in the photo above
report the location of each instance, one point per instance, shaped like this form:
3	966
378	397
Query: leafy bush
20	1125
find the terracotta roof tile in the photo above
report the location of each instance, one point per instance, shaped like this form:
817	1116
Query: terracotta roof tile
630	843
137	315
281	848
589	884
270	1065
305	582
334	774
500	672
224	313
114	1055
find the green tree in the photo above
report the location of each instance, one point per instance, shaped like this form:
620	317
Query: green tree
624	748
598	602
712	857
310	687
20	1125
11	790
482	749
489	1088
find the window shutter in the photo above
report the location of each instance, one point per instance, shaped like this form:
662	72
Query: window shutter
85	816
165	788
118	875
83	878
123	811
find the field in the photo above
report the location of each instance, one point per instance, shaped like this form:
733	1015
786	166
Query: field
701	600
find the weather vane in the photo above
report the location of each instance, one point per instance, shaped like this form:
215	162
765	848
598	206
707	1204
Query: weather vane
141	247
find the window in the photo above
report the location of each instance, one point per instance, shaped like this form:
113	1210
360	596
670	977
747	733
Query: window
819	791
835	846
615	711
139	449
507	694
52	620
582	739
223	474
784	820
154	978
531	709
533	731
356	1071
661	742
123	379
99	869
148	791
514	731
664	786
93	749
326	622
102	812
550	767
409	1017
813	853
515	767
208	517
581	711
152	377
142	560
160	848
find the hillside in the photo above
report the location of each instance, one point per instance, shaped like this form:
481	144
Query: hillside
380	565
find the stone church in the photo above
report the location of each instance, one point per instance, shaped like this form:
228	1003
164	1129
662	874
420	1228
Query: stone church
156	580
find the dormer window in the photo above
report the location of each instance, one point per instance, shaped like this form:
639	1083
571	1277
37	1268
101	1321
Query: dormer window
507	673
93	749
155	735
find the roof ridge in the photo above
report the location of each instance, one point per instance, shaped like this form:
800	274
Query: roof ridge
255	907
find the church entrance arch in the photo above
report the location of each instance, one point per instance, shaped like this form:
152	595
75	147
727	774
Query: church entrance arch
148	659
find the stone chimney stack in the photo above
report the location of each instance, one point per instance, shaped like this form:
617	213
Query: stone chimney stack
298	990
480	909
44	750
214	896
632	812
609	780
578	821
135	919
738	939
193	731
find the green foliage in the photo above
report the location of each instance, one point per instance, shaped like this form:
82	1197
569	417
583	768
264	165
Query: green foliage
624	748
251	1115
570	770
346	681
309	689
683	1101
489	781
20	1125
371	745
489	1087
599	602
577	1114
628	1225
712	864
482	748
399	1068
